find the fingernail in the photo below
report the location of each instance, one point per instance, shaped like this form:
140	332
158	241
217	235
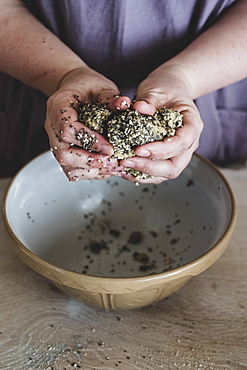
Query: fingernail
129	163
107	150
124	104
143	153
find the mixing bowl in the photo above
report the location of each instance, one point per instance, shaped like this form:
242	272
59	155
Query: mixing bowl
115	245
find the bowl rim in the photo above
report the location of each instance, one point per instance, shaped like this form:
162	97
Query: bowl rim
97	283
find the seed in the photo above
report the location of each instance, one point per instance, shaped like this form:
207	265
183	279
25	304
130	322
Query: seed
128	129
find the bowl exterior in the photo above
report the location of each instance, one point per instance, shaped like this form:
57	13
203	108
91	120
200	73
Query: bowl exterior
131	300
123	293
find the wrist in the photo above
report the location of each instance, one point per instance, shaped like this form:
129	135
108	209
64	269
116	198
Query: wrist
169	83
91	86
74	73
191	77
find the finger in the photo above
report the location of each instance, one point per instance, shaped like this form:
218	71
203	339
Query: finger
117	102
76	174
78	134
80	165
166	168
151	180
144	107
63	123
155	97
90	170
186	137
74	158
168	148
77	157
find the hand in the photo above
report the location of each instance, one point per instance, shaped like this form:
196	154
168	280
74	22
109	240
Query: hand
166	159
89	157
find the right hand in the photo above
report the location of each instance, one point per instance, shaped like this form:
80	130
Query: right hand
78	161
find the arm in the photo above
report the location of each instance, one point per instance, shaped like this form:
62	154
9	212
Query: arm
215	59
30	52
35	56
218	57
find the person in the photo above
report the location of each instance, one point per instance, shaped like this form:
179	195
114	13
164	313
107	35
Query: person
57	54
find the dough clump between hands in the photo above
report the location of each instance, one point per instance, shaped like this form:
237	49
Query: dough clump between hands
129	129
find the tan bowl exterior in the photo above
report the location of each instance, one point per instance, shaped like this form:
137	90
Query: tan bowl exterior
124	293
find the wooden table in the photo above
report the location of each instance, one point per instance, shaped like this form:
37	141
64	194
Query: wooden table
202	326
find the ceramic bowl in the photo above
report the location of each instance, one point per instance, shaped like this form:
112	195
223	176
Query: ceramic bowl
113	244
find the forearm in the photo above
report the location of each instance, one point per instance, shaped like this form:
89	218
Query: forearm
30	52
216	58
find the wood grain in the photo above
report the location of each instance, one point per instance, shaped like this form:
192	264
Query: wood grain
202	326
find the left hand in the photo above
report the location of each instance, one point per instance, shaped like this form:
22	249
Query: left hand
166	159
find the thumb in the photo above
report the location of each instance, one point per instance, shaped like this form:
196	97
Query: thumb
146	101
144	107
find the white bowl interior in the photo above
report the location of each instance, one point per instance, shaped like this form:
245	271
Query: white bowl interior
112	227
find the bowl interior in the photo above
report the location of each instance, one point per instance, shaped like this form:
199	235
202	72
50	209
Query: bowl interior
112	227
